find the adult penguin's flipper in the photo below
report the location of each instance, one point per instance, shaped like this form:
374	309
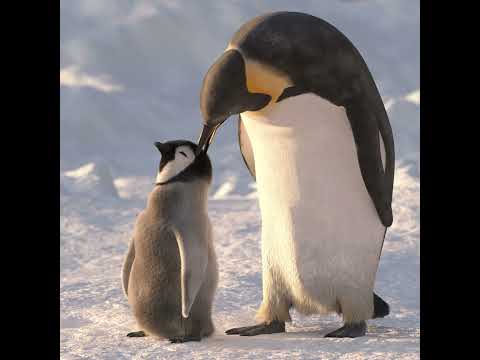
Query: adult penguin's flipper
367	122
246	147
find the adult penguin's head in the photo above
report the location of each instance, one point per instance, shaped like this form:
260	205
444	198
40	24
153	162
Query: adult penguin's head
224	93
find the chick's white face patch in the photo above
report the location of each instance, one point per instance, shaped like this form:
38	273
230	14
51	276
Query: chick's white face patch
184	156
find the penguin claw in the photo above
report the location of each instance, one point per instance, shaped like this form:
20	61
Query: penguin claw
184	338
236	331
352	330
264	328
137	334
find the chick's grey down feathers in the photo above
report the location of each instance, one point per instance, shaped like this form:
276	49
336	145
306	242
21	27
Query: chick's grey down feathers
170	268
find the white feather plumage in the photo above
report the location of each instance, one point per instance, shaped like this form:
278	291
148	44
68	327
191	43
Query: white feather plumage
321	235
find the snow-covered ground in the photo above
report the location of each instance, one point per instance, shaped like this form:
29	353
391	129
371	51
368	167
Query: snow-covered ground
95	316
131	73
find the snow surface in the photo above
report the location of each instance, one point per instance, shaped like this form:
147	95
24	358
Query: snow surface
130	75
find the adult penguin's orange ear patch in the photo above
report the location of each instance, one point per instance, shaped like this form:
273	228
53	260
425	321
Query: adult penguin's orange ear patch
264	79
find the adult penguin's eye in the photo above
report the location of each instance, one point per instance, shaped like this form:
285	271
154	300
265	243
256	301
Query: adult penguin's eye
181	152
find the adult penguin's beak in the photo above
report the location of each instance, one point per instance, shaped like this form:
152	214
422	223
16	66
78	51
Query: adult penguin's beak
206	138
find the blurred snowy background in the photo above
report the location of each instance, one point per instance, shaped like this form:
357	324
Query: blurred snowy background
130	75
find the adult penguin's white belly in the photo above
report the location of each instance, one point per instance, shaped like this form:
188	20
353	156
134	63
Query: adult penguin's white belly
321	235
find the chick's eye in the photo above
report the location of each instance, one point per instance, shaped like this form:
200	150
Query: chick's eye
181	152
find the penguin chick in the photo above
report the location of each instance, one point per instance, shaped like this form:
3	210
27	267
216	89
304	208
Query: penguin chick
170	271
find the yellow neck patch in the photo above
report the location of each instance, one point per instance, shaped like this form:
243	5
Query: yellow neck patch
264	79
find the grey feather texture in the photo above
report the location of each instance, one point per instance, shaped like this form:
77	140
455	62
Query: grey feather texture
170	270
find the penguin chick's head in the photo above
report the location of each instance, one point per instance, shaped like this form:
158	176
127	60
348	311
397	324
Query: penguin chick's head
179	163
224	93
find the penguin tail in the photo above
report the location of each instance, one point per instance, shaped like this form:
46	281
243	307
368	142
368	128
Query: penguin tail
380	307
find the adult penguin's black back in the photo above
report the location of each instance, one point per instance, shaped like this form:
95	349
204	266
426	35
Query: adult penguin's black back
317	58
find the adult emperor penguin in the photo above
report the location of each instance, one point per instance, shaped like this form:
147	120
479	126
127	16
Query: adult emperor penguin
315	135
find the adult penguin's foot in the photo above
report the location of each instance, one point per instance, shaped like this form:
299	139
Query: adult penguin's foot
137	334
185	338
351	330
263	328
